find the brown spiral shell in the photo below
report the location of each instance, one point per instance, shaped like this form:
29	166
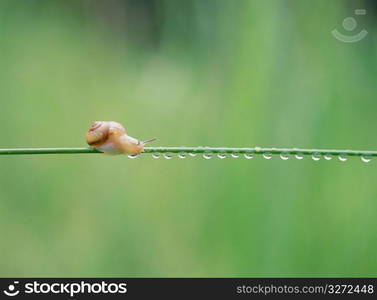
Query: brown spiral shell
98	133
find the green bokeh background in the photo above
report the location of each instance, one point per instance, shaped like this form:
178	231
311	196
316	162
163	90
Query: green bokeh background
191	73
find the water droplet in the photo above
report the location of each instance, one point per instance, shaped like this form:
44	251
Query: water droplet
168	156
366	159
267	156
248	155
235	155
327	157
207	155
182	155
284	156
342	157
221	155
192	154
316	156
133	156
299	156
156	155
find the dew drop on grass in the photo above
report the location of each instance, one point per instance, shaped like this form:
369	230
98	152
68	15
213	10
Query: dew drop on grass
316	157
248	155
182	155
299	156
342	157
192	154
207	155
133	156
168	156
284	156
221	155
366	159
235	155
327	157
156	155
267	156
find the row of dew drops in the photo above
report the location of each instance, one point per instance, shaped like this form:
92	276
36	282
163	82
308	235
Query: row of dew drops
268	156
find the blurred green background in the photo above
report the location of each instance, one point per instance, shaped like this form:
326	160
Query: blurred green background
191	73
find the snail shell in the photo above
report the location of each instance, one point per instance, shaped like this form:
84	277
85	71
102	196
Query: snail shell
111	138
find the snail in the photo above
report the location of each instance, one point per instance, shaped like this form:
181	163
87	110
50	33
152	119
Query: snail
111	138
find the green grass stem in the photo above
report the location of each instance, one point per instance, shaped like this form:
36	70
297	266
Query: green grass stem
198	150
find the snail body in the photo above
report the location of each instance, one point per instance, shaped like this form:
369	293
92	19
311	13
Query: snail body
111	138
